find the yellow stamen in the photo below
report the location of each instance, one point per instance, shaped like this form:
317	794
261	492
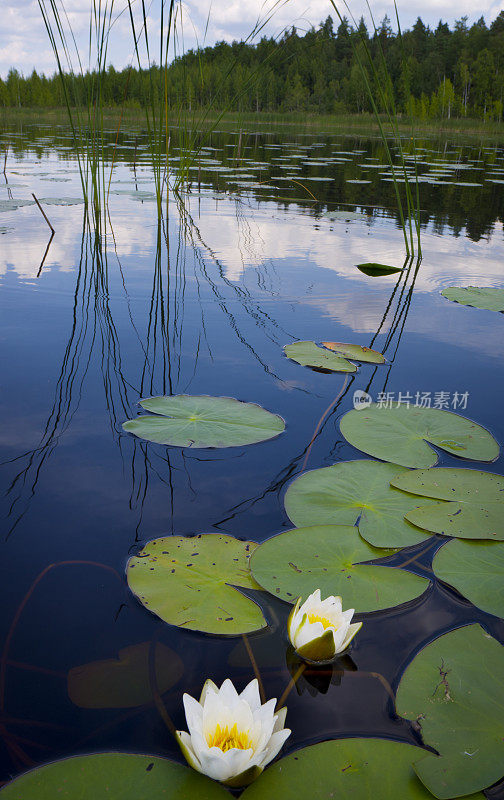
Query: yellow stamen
323	620
226	739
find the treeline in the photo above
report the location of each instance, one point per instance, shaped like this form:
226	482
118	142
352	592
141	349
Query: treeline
434	73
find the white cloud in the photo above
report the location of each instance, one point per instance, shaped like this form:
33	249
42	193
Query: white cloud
24	42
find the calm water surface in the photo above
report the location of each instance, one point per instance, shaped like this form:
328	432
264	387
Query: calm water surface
245	263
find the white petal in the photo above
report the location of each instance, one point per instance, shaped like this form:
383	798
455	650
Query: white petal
331	604
193	713
280	719
308	632
216	712
185	743
227	693
266	721
296	630
251	695
292	620
352	630
275	744
348	615
199	746
242	716
339	638
209	686
237	761
213	764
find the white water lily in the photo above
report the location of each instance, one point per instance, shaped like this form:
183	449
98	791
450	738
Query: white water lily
231	736
320	629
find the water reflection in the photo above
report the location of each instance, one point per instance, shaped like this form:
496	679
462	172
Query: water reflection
203	301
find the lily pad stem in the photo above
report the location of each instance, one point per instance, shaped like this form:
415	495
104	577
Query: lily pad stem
290	686
254	667
321	420
158	700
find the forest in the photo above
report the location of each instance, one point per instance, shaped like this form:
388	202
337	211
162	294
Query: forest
432	74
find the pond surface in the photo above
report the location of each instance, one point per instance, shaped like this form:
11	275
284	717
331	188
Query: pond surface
245	263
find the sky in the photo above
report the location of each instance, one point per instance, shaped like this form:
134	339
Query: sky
24	42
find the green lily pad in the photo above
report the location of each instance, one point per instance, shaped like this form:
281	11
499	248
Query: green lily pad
355	493
475	507
308	354
202	421
371	268
360	769
454	688
124	682
327	557
115	776
346	216
356	351
490	298
400	434
188	581
13	205
61	201
476	570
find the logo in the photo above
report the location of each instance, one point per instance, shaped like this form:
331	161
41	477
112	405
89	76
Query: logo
361	399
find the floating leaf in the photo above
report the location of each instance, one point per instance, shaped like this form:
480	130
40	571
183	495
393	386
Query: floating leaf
371	268
475	510
454	688
476	570
355	493
326	557
400	434
308	354
13	205
188	581
124	682
61	201
360	769
490	298
203	421
347	216
356	351
115	776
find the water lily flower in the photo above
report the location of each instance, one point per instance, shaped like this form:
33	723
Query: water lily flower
231	736
320	629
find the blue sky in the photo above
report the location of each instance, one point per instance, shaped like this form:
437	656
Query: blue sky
24	43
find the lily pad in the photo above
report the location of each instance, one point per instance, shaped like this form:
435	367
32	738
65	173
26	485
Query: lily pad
346	216
454	688
372	268
356	351
13	205
360	769
188	581
202	421
308	354
61	201
476	570
490	298
124	682
400	434
475	507
116	776
355	493
327	557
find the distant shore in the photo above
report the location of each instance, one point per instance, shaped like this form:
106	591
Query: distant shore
351	124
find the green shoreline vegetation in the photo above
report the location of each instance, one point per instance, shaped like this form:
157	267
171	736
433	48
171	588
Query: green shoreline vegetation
451	75
263	121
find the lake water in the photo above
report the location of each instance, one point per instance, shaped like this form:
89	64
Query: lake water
245	263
